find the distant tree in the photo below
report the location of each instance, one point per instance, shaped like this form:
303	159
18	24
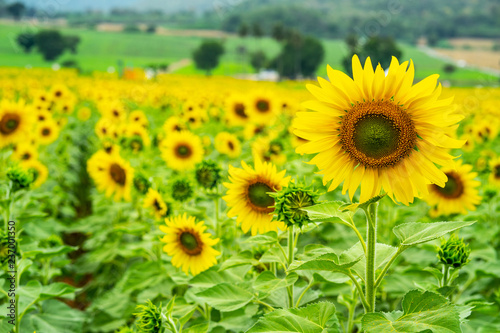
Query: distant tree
278	32
206	57
50	43
243	30
16	10
257	30
131	28
258	60
449	68
151	28
352	41
26	41
71	43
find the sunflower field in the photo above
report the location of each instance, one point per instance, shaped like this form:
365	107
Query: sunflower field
212	204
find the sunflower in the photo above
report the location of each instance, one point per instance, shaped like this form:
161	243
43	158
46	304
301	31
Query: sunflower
58	92
25	151
248	199
263	108
268	150
494	177
104	128
379	132
459	193
112	174
158	206
188	245
40	171
47	132
138	117
16	122
174	124
137	137
43	115
84	114
237	110
227	144
182	150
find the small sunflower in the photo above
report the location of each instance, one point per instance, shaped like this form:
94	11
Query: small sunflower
237	110
188	244
459	194
227	144
182	150
379	132
39	171
138	117
154	201
494	177
263	108
16	122
174	124
112	174
137	137
248	197
47	132
24	152
269	150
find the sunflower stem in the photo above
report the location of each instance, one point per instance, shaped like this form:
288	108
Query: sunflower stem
371	217
446	270
218	227
291	249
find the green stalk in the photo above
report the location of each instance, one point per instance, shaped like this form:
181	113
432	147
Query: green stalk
446	270
291	249
371	217
352	311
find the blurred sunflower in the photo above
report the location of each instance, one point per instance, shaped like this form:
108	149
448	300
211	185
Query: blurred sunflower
188	244
236	110
154	201
459	193
174	124
137	137
16	122
494	177
379	132
43	115
47	132
248	199
25	151
263	108
84	114
39	170
227	144
182	150
112	174
104	128
138	117
58	92
268	150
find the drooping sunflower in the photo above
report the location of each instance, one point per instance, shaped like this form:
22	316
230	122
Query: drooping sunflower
227	144
112	174
248	199
379	132
47	132
459	194
494	177
16	122
39	170
188	244
154	201
182	150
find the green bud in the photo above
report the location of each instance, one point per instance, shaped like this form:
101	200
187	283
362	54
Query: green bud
290	200
149	318
141	183
208	174
51	241
454	252
182	190
20	177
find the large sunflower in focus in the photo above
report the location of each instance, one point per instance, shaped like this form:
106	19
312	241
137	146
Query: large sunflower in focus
16	122
188	244
112	174
248	197
459	194
182	150
379	132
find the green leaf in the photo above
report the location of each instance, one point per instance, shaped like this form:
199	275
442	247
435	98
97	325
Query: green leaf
266	281
383	254
325	262
274	254
56	317
268	238
226	297
421	311
314	318
243	258
328	212
202	327
413	233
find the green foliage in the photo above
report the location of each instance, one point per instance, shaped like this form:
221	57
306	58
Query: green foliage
206	57
422	311
258	60
26	41
226	297
20	177
413	233
50	44
16	10
208	174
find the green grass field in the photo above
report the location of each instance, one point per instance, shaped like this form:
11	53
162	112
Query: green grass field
100	50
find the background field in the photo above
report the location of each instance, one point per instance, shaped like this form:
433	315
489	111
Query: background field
99	50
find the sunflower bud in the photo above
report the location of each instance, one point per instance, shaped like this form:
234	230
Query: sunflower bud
208	174
51	241
182	189
454	252
141	183
290	200
149	318
4	246
21	178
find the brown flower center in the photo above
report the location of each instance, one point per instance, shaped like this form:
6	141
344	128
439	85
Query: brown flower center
190	242
183	151
117	174
377	134
9	123
259	198
453	188
239	109
262	105
46	131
